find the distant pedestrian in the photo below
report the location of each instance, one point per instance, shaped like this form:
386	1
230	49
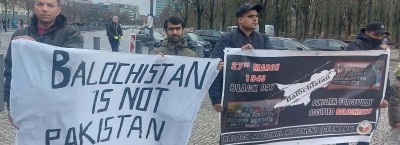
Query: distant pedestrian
4	22
114	33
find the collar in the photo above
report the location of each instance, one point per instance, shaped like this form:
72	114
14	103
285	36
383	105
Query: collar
251	34
166	43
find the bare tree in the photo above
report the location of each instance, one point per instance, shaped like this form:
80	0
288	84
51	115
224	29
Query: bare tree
209	15
183	7
262	16
199	5
28	5
5	3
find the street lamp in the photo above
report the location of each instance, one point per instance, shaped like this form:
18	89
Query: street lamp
150	24
151	15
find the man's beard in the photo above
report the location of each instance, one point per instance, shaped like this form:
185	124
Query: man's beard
175	39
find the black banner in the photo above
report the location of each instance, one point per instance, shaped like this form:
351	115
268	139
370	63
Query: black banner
275	99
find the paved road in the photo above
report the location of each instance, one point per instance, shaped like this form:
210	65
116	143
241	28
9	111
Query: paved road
206	126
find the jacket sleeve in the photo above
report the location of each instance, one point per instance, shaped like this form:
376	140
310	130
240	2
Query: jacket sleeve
109	30
267	44
74	39
389	92
215	91
394	104
352	46
7	74
120	30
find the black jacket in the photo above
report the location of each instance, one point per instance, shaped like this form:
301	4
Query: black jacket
114	30
364	42
58	35
233	39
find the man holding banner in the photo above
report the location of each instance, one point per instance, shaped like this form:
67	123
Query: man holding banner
48	26
244	37
174	44
371	38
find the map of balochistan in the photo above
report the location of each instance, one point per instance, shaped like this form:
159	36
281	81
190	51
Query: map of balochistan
299	93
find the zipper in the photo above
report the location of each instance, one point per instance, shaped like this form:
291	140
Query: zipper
41	39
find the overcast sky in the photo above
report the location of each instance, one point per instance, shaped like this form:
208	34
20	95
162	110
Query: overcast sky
144	5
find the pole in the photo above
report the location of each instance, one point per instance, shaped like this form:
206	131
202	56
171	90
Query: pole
200	51
151	14
151	46
138	49
96	43
132	44
2	105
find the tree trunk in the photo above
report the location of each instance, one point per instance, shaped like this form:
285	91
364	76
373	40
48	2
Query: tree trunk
327	18
211	20
277	18
349	15
286	23
223	15
315	14
262	16
305	4
369	10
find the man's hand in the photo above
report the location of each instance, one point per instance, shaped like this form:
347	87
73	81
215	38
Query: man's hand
384	104
161	54
24	37
11	120
247	46
116	37
121	37
220	65
384	46
217	107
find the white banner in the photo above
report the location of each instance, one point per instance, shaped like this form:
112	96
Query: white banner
78	96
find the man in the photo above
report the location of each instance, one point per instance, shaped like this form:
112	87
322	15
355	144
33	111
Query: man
394	111
114	33
174	44
47	26
371	38
244	37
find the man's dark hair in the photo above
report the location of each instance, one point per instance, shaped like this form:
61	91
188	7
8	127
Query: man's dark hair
58	2
174	20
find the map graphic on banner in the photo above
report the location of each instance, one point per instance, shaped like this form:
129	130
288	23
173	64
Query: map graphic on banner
281	97
81	96
296	96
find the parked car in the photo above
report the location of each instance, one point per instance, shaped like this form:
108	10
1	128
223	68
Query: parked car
287	44
268	30
147	40
211	36
194	41
325	44
231	28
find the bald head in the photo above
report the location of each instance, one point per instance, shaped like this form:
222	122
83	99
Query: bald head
115	19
